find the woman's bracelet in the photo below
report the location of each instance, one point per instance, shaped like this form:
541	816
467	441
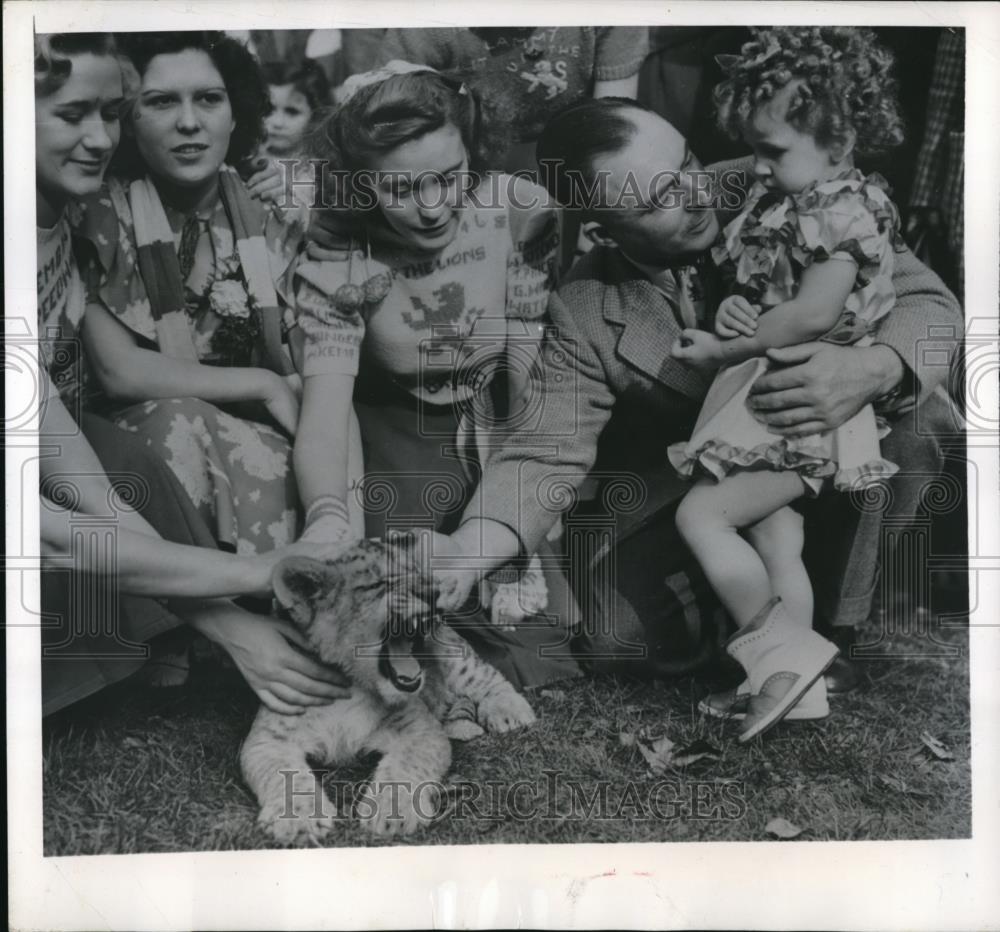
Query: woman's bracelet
327	506
326	529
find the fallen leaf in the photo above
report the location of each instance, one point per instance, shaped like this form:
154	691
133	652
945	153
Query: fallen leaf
660	756
698	750
663	746
625	739
783	829
133	742
556	695
936	747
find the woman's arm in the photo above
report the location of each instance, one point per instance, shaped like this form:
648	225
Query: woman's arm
321	450
147	565
816	307
127	372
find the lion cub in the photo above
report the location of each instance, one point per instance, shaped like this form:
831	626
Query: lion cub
363	612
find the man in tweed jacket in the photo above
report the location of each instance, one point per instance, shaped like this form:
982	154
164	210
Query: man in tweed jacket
612	399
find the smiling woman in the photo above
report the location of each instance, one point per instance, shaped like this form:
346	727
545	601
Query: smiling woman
76	118
102	616
184	323
434	306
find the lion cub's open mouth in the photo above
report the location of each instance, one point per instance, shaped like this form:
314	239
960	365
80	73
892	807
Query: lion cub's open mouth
398	665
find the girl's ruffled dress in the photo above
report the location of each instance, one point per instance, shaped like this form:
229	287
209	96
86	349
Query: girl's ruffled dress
763	251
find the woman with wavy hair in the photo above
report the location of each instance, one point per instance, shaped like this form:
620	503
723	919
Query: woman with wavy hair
184	319
104	613
428	308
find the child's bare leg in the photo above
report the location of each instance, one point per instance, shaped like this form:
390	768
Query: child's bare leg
710	518
778	539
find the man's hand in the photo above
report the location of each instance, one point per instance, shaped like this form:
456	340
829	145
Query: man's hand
267	181
457	563
698	348
455	573
819	386
736	317
329	231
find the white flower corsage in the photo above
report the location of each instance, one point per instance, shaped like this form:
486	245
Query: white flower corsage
228	298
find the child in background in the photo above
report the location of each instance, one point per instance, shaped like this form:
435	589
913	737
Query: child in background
297	93
300	92
810	257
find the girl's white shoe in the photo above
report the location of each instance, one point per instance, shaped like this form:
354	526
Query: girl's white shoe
782	661
734	703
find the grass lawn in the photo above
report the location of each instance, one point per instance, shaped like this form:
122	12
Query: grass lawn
141	770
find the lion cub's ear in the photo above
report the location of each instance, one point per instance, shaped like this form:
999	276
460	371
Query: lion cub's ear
299	583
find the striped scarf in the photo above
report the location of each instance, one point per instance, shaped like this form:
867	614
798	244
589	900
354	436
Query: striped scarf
161	271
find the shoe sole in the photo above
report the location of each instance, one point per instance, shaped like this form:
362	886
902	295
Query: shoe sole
793	714
785	706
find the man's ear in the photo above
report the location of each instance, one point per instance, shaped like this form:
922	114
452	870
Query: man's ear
299	583
842	146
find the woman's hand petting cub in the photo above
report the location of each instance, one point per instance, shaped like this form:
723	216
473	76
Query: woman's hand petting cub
285	679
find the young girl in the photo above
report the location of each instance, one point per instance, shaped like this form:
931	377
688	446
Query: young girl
810	257
297	94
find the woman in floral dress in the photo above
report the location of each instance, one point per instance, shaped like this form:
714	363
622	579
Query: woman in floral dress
183	324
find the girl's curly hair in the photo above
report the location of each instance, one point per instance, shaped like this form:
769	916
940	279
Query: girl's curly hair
845	84
249	96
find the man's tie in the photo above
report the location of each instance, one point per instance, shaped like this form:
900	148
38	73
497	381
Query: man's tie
690	296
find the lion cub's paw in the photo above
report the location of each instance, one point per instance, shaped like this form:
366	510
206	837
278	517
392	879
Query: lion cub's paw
505	711
463	729
301	826
395	808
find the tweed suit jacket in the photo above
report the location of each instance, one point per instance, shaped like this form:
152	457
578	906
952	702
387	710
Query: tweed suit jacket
611	399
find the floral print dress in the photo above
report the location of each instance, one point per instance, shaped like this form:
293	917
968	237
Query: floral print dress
233	463
763	252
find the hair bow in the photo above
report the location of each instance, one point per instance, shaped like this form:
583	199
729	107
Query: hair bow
731	64
355	82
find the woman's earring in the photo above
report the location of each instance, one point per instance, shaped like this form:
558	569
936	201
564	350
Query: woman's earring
376	288
349	298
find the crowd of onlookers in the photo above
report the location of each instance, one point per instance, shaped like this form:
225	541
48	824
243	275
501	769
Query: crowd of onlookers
285	378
